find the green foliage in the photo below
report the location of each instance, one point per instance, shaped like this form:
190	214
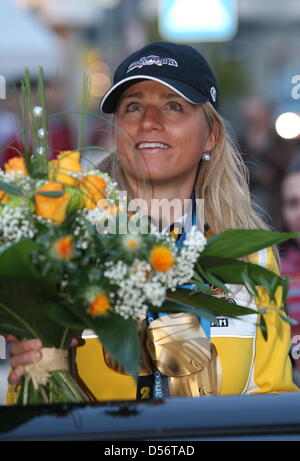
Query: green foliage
217	266
10	189
54	193
238	243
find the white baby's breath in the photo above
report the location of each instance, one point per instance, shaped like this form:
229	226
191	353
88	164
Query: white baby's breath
139	285
16	222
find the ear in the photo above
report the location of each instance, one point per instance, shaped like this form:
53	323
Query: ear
213	137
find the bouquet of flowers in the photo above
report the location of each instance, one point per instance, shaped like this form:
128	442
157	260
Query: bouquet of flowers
62	270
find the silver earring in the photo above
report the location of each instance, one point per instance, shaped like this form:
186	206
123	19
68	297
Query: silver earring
206	156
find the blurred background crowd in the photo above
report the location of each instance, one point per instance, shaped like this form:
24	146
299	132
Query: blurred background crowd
257	65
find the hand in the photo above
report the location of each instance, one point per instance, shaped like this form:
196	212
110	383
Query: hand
24	353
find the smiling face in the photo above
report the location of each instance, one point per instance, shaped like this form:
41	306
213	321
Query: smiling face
168	133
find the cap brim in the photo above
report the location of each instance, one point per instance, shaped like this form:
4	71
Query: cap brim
110	99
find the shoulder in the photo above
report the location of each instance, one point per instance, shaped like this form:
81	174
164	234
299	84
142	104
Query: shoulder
265	258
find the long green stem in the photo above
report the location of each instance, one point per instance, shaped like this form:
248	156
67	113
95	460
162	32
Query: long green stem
25	392
62	343
61	388
84	108
28	96
42	102
16	316
44	395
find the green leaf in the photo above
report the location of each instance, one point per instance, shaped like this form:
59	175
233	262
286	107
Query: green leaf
263	327
23	325
289	320
237	243
250	285
15	262
285	288
273	287
212	304
215	281
50	193
198	278
22	306
174	306
240	273
10	189
203	287
63	315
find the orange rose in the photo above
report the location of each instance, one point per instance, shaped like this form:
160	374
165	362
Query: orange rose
16	165
60	168
93	189
53	208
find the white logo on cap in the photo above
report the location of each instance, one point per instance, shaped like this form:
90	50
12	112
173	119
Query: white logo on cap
213	93
150	61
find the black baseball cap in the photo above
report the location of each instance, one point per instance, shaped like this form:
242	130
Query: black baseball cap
180	67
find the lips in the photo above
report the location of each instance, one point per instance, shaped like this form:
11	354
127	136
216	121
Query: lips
152	146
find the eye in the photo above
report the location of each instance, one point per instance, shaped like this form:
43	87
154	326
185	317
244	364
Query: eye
173	105
292	203
132	107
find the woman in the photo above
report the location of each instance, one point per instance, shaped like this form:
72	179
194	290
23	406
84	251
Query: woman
170	142
290	261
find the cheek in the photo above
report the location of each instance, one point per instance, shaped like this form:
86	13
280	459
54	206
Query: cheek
291	216
128	156
192	142
124	134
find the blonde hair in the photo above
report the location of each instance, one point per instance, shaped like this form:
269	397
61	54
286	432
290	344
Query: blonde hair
223	183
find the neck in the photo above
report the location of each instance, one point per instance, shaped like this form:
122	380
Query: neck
164	202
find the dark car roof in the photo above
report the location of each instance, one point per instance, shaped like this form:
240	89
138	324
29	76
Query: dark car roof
272	416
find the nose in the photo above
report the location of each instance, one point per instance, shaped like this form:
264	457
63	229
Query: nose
151	119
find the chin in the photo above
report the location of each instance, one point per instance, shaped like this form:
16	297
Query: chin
151	176
158	177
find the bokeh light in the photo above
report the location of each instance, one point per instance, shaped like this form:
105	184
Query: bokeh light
100	83
288	125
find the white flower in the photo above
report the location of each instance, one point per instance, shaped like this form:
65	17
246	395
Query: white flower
16	222
116	272
195	239
131	242
155	293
